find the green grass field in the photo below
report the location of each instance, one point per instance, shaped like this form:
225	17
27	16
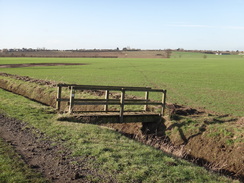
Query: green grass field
123	159
214	83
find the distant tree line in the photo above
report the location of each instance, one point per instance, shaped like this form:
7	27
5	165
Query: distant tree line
17	52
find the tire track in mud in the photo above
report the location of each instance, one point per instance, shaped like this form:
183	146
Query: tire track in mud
44	155
144	76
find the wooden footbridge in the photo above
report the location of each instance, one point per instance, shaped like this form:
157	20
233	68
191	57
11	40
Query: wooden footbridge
106	115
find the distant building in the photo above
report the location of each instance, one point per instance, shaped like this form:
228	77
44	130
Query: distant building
222	53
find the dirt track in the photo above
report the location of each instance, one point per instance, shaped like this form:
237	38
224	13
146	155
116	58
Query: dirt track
53	161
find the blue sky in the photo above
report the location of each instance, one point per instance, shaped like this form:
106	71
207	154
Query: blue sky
143	24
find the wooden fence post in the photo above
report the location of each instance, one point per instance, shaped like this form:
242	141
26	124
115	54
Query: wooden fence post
163	103
122	103
71	100
59	92
146	98
107	98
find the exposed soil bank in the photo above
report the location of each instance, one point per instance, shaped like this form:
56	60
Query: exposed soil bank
43	155
38	93
210	151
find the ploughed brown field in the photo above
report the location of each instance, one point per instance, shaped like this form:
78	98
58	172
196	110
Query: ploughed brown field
90	54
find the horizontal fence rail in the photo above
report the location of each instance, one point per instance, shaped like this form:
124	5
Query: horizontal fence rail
122	101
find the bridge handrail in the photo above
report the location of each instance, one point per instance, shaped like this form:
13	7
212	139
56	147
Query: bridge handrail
101	86
122	101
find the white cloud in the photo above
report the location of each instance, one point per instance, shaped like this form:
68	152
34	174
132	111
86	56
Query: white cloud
233	27
189	25
206	26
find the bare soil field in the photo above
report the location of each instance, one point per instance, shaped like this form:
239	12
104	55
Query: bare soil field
208	152
89	54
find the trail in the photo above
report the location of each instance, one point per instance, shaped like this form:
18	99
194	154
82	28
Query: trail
40	153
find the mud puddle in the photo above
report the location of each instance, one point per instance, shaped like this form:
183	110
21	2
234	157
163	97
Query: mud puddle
37	65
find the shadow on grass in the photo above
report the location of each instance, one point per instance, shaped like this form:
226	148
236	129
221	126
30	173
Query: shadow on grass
183	122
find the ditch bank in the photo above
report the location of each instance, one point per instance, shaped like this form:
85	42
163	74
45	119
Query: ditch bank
210	140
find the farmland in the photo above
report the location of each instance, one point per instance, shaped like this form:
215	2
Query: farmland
214	83
210	83
113	157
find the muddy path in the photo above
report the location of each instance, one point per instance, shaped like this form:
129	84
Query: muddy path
44	155
37	65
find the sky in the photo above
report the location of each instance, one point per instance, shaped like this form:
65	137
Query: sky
111	24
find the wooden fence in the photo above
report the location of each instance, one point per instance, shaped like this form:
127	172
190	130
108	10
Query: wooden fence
122	101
